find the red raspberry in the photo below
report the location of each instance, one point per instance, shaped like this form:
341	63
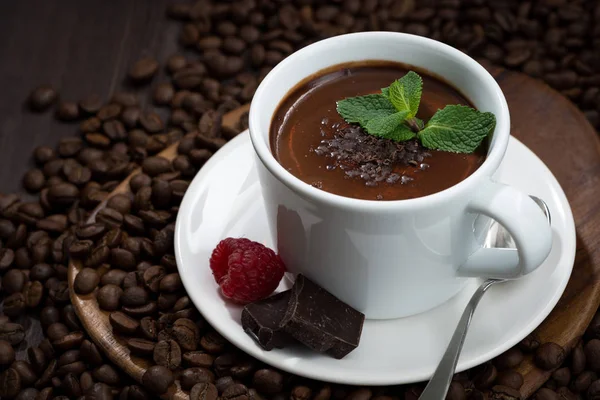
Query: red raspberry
245	270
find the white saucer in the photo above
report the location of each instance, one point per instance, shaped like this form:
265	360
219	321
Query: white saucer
224	200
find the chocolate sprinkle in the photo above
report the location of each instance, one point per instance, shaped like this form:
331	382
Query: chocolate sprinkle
369	157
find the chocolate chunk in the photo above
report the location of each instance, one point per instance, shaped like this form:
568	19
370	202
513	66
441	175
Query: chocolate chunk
321	321
261	320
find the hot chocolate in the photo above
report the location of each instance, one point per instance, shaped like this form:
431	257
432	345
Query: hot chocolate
313	142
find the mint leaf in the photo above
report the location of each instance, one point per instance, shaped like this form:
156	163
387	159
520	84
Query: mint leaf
390	127
405	93
457	129
363	109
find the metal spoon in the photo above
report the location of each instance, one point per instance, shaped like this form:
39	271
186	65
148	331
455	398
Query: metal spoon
438	386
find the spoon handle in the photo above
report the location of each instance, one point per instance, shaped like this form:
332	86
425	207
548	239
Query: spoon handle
438	386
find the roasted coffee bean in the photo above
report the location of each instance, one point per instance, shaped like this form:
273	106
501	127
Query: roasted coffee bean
198	359
27	374
143	69
7	257
10	383
583	381
485	376
504	393
158	379
213	343
578	359
170	283
68	357
43	154
63	194
148	328
268	381
168	354
49	315
42	97
106	374
131	279
97	257
186	333
592	354
14	305
7	353
90	353
34	180
223	383
175	63
86	281
108	112
154	166
80	248
110	217
593	392
69	341
67	111
123	323
33	293
37	359
163	94
204	391
13	281
237	391
192	376
56	331
134	297
509	359
123	259
109	297
549	355
141	347
152	277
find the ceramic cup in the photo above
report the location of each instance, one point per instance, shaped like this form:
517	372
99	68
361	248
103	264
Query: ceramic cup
391	259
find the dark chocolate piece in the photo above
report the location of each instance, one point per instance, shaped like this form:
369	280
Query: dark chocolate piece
262	320
321	321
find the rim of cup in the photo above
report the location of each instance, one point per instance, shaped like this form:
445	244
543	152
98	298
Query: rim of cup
260	136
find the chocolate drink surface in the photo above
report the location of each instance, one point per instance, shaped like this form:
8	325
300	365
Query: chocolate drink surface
311	140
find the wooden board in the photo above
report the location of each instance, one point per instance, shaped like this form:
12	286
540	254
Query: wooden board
560	135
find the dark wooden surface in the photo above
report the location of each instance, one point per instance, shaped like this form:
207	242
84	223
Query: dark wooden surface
81	47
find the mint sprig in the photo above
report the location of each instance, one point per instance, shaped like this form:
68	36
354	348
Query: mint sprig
391	114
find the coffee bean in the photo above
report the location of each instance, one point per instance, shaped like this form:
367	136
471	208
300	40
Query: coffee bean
33	293
509	359
143	69
186	333
7	353
158	379
237	391
90	353
34	180
213	343
13	281
97	257
549	355
175	63
504	393
27	374
63	195
10	383
268	381
152	277
593	391
546	394
154	166
59	293
151	122
485	376
14	305
42	97
193	376
110	217
67	111
43	154
123	323
141	347
204	391
583	381
106	374
37	359
7	257
134	296
168	354
109	296
86	281
592	354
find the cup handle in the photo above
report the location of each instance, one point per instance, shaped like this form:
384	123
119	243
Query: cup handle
526	223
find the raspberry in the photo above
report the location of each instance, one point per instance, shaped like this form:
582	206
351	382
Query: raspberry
245	270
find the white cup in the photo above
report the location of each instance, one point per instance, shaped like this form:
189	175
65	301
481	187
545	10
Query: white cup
391	259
